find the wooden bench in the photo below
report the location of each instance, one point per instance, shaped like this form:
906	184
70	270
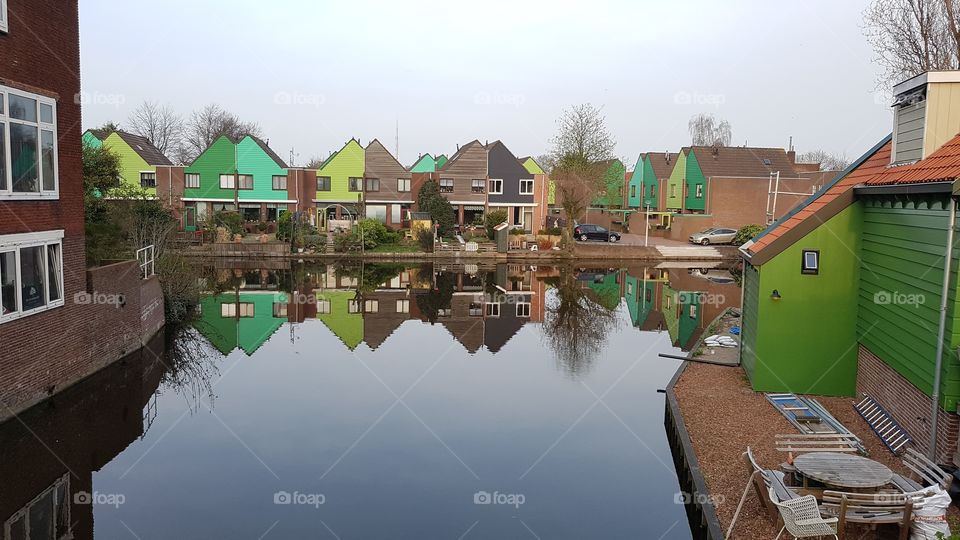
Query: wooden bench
870	509
816	442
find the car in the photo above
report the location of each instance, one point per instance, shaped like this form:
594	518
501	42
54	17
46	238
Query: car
713	235
587	231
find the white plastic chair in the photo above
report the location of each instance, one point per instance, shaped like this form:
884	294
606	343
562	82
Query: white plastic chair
801	518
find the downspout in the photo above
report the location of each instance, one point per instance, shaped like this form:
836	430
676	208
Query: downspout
938	363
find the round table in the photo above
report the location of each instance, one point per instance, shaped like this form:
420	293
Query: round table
843	470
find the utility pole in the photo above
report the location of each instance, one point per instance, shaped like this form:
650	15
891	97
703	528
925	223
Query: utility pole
646	229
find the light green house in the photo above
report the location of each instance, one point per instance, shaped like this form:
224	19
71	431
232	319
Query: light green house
673	198
340	182
533	167
424	164
339	311
138	158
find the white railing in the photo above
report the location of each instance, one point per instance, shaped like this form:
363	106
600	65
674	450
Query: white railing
145	258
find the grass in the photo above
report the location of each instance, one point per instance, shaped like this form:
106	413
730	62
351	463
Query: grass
396	248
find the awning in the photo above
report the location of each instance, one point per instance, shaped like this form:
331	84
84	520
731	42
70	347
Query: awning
473	208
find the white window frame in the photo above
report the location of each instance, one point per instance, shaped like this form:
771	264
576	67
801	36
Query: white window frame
231	181
492	309
495	182
6	119
371	306
699	191
353	306
154	173
4	23
403	185
187	184
443	188
525	181
24	512
323	306
523	309
403	306
15	243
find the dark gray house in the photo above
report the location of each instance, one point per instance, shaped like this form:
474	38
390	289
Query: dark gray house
510	186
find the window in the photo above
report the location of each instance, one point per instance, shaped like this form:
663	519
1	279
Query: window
250	211
477	186
377	212
279	182
699	191
353	306
371	306
46	516
633	192
396	214
31	273
280	310
673	190
493	310
4	26
148	179
629	288
227	181
811	262
274	211
323	183
523	309
237	309
496	186
526	186
323	306
355	184
191	180
446	185
403	185
476	309
244	181
28	135
444	312
373	184
403	306
653	190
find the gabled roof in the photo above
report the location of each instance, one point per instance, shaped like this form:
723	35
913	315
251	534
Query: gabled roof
940	166
743	162
337	153
462	150
663	167
821	206
100	134
144	148
269	151
384	149
421	158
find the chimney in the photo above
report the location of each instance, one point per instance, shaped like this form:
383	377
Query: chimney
666	157
792	156
922	121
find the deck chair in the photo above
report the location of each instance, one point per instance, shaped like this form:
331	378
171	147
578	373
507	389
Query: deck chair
764	481
802	519
927	473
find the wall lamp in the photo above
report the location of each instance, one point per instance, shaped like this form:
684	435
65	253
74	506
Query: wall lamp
775	295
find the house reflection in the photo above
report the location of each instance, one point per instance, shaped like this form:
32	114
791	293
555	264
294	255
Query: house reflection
68	437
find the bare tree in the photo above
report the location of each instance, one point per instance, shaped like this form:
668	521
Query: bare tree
159	124
912	36
579	160
827	161
314	163
707	130
206	125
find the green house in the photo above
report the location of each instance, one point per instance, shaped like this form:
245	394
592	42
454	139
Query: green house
636	195
244	320
425	164
676	182
533	167
138	158
340	182
339	311
441	160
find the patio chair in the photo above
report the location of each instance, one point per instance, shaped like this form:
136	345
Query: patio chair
924	470
802	519
763	481
871	509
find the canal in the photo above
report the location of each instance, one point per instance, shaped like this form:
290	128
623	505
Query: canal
377	401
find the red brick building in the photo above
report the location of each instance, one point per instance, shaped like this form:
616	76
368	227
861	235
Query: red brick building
58	321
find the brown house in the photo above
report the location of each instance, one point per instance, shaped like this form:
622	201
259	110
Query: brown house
463	180
388	187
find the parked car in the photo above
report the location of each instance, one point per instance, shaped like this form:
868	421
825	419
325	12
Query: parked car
713	235
586	231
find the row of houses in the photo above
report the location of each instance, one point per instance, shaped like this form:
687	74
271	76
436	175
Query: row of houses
247	176
855	291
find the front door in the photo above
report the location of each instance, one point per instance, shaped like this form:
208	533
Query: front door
190	219
528	220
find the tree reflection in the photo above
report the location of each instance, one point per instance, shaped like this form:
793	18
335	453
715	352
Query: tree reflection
191	368
576	323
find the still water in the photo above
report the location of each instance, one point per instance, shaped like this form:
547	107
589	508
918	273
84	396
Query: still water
377	401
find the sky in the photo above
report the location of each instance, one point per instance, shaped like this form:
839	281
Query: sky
313	74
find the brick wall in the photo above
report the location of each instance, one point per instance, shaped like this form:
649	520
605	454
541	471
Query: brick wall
908	405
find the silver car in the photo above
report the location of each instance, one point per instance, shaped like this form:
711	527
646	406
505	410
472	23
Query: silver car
713	235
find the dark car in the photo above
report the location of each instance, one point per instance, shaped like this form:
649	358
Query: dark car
586	231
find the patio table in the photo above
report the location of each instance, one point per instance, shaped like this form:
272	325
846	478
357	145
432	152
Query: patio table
843	470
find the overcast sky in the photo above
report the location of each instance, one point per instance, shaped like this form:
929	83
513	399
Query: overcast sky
315	73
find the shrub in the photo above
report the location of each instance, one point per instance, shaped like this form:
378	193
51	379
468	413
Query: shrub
262	227
551	231
283	226
746	233
232	221
376	233
494	218
425	239
545	244
314	241
348	241
430	200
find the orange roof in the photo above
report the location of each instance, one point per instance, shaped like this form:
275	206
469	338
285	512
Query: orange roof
628	176
940	166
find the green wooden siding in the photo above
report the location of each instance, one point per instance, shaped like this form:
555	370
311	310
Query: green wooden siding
694	177
91	140
426	163
131	164
532	166
806	341
219	158
347	163
674	199
227	333
635	193
651	196
612	197
253	160
348	327
441	160
670	306
901	279
689	321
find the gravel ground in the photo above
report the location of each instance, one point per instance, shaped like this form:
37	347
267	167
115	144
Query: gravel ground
724	415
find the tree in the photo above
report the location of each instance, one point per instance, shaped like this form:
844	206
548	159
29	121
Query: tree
827	161
159	124
706	130
441	211
314	163
579	157
910	37
110	127
494	218
576	324
208	124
